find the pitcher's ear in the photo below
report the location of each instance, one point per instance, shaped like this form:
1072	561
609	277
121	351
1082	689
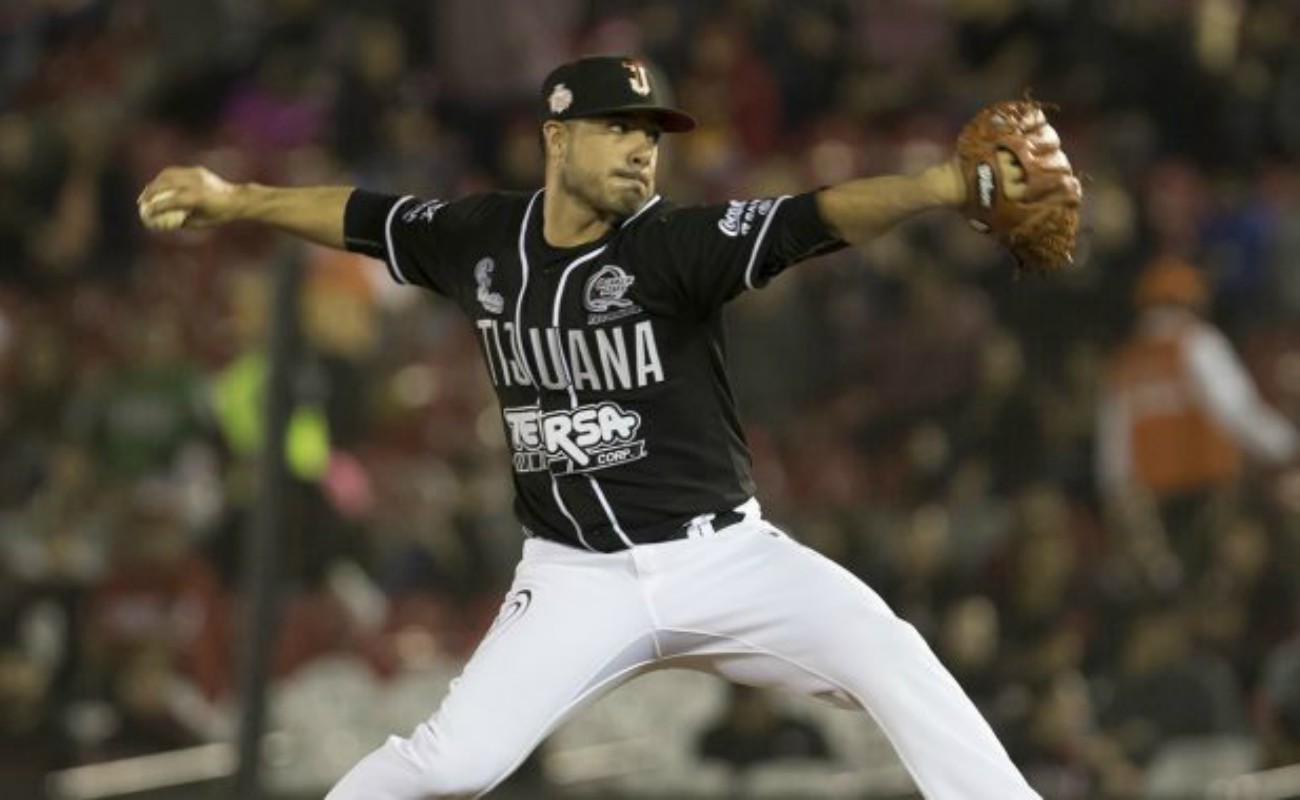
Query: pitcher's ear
554	136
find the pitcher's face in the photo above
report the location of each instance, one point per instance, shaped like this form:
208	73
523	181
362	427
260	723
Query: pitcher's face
608	162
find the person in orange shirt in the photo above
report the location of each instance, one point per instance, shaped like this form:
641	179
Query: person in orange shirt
1178	413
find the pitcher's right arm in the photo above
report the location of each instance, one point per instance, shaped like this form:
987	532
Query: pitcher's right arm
195	197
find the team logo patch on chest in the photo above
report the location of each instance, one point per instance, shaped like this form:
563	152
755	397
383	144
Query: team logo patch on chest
582	439
605	295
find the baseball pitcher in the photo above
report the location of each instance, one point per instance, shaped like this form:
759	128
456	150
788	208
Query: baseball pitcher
598	308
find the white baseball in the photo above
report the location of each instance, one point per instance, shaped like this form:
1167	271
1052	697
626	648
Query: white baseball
162	220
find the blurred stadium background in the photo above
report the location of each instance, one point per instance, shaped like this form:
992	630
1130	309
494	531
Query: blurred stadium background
914	412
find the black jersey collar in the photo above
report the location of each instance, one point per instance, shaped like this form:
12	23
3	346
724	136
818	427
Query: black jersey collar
550	254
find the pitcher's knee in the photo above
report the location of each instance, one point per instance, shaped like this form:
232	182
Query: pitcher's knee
423	768
461	769
891	630
461	778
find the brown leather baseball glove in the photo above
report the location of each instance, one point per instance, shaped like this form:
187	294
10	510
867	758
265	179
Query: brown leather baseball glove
1020	188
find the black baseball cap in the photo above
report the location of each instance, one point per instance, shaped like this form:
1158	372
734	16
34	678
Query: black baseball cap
599	85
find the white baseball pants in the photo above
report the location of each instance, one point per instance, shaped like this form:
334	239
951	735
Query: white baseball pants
746	603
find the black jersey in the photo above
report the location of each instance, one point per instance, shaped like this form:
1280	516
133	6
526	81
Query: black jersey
608	359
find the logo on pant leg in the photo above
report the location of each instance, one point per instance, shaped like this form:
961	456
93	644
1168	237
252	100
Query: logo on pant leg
514	608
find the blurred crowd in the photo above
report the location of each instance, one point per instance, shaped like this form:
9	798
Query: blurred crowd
914	412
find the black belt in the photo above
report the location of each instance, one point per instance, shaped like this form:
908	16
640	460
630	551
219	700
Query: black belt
672	533
721	520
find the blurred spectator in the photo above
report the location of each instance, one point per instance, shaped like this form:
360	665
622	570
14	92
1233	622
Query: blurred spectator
280	108
1039	585
1178	413
998	420
978	515
1279	718
59	538
1164	688
808	49
340	322
139	417
1236	240
1061	750
969	645
42	380
238	388
922	580
484	79
49	555
752	731
1247	600
158	638
373	81
1067	414
66	202
924	358
734	89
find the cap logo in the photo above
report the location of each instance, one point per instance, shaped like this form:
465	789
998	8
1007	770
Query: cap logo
560	100
639	80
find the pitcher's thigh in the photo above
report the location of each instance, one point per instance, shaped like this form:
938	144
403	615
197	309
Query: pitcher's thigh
776	613
857	651
556	646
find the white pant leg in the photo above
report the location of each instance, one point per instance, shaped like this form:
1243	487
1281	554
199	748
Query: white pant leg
772	612
573	626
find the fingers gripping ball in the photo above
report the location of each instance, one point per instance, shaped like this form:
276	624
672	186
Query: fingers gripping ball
1020	187
162	220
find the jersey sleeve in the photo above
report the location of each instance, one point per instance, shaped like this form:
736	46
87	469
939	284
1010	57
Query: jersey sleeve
416	239
706	255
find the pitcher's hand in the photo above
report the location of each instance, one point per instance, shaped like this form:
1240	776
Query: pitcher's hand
190	197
